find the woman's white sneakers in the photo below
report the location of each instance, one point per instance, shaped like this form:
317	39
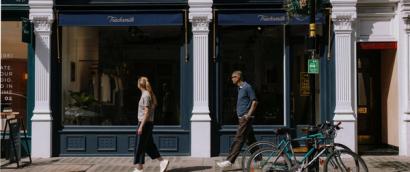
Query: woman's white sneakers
163	165
224	164
136	170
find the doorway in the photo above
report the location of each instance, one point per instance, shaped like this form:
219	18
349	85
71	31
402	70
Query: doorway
377	99
368	85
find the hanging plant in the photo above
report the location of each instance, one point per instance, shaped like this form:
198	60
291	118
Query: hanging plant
303	7
297	7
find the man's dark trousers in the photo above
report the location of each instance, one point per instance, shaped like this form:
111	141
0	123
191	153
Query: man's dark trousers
244	133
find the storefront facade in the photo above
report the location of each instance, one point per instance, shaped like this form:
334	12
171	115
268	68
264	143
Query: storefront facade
17	65
89	55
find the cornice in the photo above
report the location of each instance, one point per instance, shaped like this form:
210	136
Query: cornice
41	9
344	12
200	8
200	14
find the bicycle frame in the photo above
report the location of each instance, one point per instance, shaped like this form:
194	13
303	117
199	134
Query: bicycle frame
286	147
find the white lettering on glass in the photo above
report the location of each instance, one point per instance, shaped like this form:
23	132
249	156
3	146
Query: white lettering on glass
113	19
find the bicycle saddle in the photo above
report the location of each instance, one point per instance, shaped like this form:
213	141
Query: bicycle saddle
283	131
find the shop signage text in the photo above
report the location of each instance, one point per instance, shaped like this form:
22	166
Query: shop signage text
6	84
304	84
269	18
121	19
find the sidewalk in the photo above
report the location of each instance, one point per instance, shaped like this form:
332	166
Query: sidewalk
177	164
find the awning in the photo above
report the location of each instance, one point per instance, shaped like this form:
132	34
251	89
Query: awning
121	19
229	18
377	45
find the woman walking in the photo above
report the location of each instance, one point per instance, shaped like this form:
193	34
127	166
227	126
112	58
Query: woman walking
145	142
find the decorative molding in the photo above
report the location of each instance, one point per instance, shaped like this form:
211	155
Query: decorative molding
406	19
343	22
343	14
405	7
200	24
106	143
42	24
200	14
168	143
41	13
75	143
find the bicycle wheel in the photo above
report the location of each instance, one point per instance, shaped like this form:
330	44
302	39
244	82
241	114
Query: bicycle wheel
253	148
345	161
268	160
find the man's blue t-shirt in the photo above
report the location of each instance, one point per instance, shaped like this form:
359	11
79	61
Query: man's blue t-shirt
245	97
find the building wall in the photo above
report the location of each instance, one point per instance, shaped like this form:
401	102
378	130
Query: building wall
389	98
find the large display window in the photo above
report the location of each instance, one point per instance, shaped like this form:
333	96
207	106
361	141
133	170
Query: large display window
14	56
258	52
101	65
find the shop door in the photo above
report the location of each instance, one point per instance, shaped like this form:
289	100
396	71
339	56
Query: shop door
369	106
302	94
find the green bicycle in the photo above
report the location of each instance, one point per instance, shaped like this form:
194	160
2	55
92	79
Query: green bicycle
282	157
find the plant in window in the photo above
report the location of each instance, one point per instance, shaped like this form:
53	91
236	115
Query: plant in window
82	100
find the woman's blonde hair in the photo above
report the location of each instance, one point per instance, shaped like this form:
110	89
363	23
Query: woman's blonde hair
144	83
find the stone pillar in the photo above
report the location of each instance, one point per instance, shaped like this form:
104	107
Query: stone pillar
41	14
404	83
200	14
343	16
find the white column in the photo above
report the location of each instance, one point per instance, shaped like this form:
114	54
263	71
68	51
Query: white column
343	16
200	14
404	73
41	14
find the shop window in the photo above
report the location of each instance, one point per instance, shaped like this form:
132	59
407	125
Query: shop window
101	66
258	52
14	75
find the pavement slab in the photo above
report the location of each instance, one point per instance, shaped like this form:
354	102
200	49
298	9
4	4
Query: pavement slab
177	164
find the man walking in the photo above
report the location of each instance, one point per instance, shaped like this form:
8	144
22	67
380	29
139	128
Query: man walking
245	106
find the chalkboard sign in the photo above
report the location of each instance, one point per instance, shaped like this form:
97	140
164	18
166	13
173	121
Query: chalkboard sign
15	140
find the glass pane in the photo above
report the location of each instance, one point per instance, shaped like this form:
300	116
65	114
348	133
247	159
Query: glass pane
101	66
258	52
13	71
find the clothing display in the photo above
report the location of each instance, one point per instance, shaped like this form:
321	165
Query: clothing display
105	88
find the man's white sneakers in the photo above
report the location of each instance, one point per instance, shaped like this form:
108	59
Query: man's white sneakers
224	164
136	170
163	165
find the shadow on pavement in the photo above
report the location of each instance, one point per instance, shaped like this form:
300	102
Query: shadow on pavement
396	165
183	169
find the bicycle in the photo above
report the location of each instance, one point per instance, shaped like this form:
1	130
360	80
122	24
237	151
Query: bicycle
326	128
282	157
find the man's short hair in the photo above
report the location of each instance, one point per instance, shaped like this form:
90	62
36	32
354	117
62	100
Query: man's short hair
238	72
